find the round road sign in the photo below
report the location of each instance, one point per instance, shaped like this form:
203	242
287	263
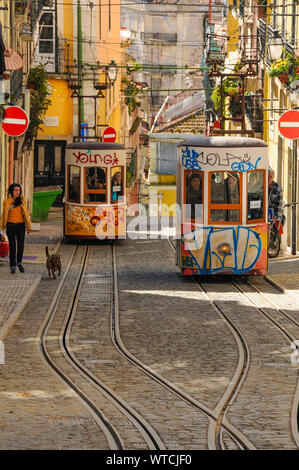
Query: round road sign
15	121
288	124
109	134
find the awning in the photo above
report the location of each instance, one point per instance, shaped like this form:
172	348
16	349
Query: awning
13	61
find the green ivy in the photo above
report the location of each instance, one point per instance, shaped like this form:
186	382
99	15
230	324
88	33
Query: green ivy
39	102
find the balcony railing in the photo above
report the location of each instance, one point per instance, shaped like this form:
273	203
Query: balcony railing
265	35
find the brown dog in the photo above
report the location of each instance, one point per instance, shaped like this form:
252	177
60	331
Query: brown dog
53	263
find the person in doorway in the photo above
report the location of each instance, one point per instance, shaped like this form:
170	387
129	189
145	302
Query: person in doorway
275	196
15	218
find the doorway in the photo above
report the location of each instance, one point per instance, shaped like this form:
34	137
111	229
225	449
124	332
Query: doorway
49	158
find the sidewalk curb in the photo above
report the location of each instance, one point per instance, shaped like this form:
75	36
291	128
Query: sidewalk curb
4	331
274	284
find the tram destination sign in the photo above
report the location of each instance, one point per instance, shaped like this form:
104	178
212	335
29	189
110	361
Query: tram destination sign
288	124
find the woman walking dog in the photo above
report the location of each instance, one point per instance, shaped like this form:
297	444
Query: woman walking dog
15	218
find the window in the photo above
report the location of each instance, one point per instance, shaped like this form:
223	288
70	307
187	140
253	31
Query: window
256	195
194	194
95	185
46	33
45	40
73	194
117	184
225	201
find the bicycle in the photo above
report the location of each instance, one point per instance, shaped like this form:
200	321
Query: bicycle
275	232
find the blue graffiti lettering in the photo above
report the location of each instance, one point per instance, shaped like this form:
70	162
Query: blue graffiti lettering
244	166
243	241
189	160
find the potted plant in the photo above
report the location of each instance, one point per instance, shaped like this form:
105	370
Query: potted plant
281	68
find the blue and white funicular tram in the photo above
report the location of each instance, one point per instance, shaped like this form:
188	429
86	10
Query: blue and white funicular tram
95	202
222	189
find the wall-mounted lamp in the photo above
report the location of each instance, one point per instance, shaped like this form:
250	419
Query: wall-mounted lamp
26	33
275	47
112	71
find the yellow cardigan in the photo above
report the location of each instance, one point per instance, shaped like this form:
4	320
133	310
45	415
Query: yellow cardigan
5	210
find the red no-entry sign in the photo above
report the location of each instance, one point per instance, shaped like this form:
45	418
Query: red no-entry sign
109	134
15	121
288	124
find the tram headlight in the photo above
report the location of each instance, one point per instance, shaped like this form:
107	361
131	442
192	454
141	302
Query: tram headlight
224	249
94	220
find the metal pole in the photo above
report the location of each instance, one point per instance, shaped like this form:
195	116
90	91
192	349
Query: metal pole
294	197
79	57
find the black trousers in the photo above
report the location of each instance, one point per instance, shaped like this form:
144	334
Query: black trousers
16	237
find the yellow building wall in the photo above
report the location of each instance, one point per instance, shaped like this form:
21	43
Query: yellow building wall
109	49
232	30
61	107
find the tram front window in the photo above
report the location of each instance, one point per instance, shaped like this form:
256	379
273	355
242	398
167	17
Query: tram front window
194	190
74	184
95	185
117	185
95	178
255	201
225	203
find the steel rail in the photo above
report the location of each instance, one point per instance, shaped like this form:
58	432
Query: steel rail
110	434
290	338
240	373
237	436
149	435
214	432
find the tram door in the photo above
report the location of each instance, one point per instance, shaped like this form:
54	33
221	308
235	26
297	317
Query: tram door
49	157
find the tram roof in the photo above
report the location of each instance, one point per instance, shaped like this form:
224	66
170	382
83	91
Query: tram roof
93	145
202	141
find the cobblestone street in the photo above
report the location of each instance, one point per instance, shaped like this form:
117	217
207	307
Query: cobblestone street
152	365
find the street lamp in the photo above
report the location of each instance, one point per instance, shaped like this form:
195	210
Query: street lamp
112	71
275	47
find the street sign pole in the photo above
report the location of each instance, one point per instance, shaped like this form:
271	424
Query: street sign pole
294	198
288	126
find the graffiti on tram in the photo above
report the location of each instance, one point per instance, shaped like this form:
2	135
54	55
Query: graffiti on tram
200	249
192	160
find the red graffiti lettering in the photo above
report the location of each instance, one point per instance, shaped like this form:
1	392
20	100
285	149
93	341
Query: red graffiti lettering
81	157
94	157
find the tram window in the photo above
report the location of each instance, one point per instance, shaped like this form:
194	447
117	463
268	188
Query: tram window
194	193
74	183
255	201
225	188
95	178
222	215
225	200
117	184
95	185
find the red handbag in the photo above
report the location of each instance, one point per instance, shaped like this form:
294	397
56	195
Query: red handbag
4	246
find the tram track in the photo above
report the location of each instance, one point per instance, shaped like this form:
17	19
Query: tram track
286	334
213	443
216	429
114	439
